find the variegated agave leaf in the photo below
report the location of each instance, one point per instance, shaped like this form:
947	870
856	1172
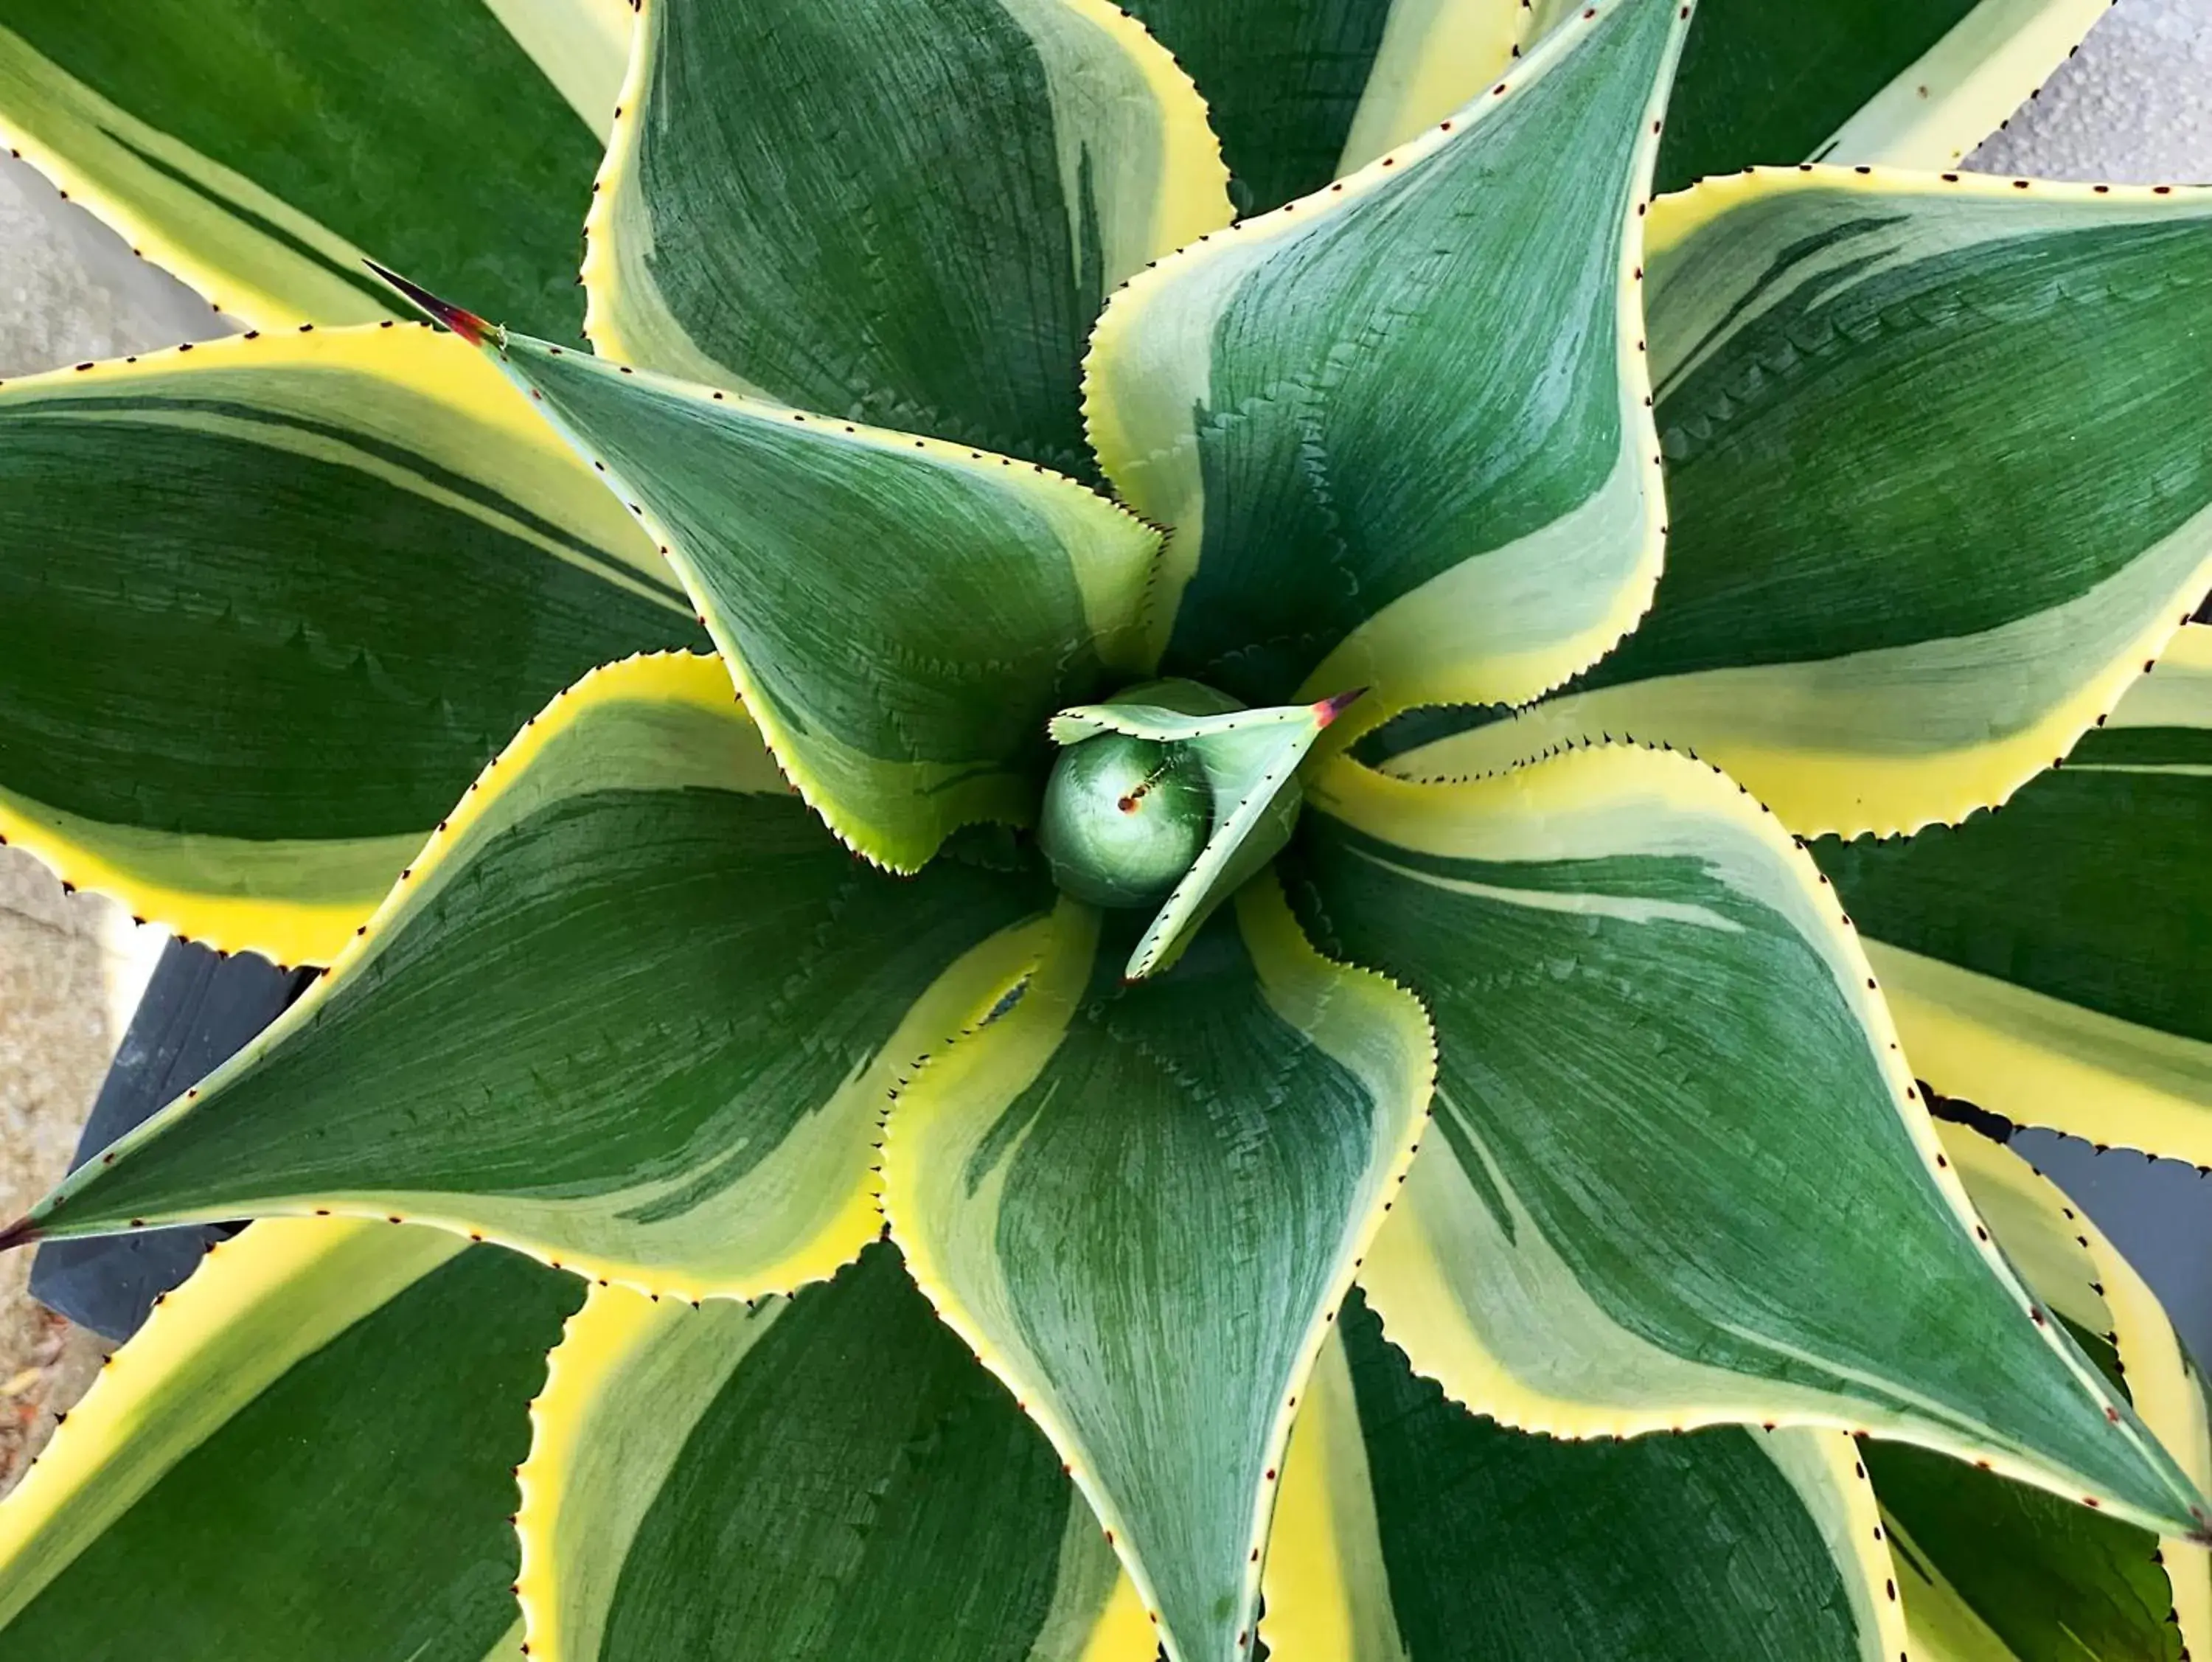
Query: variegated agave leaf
1477	1203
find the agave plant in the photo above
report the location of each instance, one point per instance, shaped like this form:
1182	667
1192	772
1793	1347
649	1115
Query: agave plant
1170	1045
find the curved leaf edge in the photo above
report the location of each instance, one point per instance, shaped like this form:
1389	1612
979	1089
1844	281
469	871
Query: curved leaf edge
594	1340
605	1333
2015	1071
1067	945
694	677
1635	598
148	244
1529	1411
2169	1401
2160	1373
1861	1545
236	1275
2005	768
599	268
287	936
1943	105
2048	1088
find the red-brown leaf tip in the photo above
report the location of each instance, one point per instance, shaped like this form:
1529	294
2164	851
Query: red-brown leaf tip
466	324
21	1232
1329	708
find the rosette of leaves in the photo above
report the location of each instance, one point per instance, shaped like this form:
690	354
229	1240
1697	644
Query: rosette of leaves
1008	869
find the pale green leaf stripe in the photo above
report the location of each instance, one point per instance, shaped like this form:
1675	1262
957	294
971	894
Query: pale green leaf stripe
811	1479
247	613
903	615
1857	81
1410	1531
1328	424
308	1450
1870	630
582	47
1682	1178
1941	104
1545	15
633	1011
1302	91
1991	1569
1250	758
2050	961
899	213
1432	57
449	137
1141	1203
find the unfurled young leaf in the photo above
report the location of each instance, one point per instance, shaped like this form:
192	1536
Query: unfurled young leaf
1238	768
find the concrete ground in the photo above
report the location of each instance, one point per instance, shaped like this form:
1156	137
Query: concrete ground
58	1025
2134	105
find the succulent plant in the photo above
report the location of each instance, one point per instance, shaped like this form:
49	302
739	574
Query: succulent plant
1008	869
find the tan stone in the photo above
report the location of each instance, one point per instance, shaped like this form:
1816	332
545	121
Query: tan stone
55	1045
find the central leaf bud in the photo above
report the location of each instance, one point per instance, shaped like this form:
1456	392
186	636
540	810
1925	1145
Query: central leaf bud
1173	796
1124	818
